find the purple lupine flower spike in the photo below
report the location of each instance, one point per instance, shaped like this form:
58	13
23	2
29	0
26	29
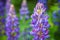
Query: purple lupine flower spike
12	25
8	2
40	23
59	3
24	10
2	18
56	15
44	2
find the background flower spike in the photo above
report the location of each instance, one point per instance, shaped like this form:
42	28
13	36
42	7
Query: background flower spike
24	12
2	18
8	3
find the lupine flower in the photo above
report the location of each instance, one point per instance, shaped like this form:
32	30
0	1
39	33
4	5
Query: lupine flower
24	10
2	18
40	23
59	3
2	8
56	17
8	2
44	2
12	25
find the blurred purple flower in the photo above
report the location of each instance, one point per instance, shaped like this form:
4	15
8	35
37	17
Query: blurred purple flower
12	25
54	14
8	2
44	2
40	23
59	3
59	12
2	18
56	17
24	10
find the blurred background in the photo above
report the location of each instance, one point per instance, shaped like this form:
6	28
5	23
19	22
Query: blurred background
53	10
